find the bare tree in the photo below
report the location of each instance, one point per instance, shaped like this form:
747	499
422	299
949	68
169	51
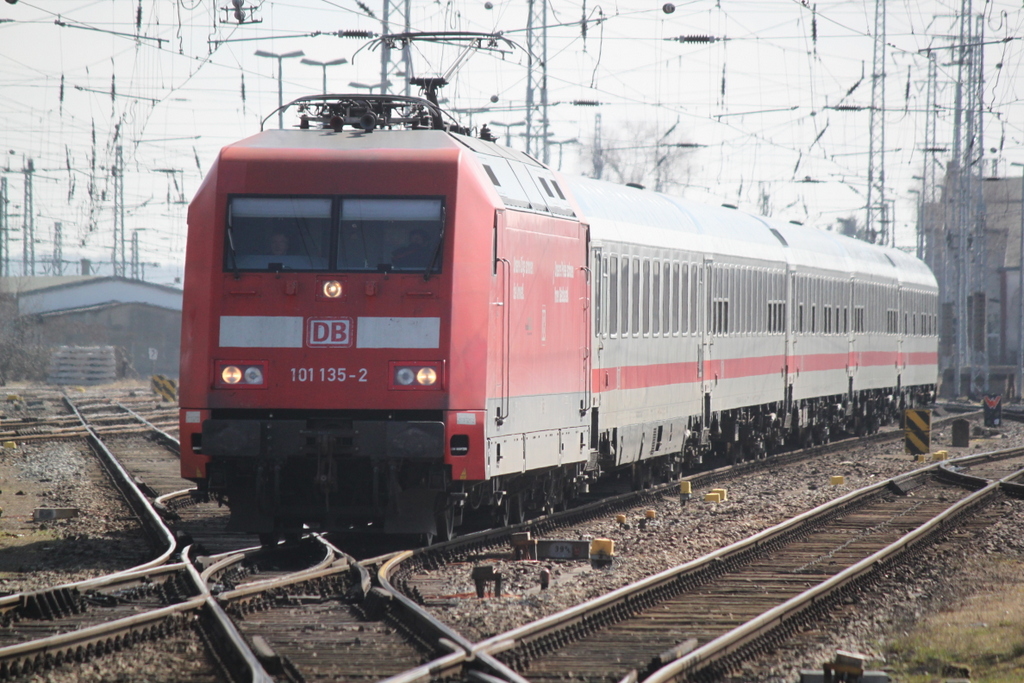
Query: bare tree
642	154
22	356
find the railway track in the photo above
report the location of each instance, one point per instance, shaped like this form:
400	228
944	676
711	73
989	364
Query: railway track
279	598
409	576
699	620
269	616
159	600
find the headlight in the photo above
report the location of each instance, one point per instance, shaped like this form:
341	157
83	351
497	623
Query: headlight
332	289
425	375
241	374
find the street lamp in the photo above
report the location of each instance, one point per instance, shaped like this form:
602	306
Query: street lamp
324	65
562	143
280	96
370	88
1020	328
508	129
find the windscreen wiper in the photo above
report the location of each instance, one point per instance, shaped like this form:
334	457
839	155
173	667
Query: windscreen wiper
231	252
437	250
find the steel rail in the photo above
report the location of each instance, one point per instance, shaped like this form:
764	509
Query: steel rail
603	604
233	559
433	556
162	436
462	650
233	644
705	656
15	601
138	501
238	650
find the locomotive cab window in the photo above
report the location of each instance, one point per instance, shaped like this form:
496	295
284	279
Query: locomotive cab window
390	235
278	233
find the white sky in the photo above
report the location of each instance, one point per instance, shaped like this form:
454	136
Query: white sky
177	102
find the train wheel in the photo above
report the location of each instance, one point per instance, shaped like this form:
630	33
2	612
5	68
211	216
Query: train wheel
502	514
445	520
516	509
269	539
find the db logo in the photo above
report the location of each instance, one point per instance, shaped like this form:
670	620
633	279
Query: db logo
329	332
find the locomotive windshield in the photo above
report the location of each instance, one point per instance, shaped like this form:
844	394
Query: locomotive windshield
370	234
390	234
288	233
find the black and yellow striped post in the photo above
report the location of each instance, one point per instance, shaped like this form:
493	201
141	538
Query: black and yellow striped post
917	431
166	389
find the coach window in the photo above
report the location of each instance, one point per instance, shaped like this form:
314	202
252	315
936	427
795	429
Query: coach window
753	294
694	289
666	296
601	268
278	233
624	295
613	296
763	279
684	299
635	302
647	296
390	235
656	298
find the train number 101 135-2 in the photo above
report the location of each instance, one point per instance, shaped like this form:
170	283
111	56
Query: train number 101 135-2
329	375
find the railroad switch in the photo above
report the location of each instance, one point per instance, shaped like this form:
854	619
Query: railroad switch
484	574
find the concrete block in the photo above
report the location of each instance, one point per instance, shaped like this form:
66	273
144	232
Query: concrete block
10	444
560	549
837	480
961	433
46	514
650	514
712	498
722	493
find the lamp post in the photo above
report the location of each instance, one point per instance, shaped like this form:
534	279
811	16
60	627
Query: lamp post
508	129
1020	328
562	143
324	65
280	96
370	88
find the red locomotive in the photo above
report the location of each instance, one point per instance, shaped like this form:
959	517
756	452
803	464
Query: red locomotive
388	322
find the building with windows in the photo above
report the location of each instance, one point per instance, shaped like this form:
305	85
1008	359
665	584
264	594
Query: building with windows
140	319
983	265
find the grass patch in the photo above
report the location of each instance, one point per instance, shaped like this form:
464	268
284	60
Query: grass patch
985	632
